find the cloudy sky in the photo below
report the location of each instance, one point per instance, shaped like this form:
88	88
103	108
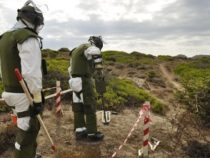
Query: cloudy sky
150	26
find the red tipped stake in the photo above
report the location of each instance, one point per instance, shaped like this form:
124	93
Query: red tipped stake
18	74
53	147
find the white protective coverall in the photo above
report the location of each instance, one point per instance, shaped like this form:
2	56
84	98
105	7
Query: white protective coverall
30	55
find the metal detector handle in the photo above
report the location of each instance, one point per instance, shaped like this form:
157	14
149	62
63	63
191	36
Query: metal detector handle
26	91
103	108
106	122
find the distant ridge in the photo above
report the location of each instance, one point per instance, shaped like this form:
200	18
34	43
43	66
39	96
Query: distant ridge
200	56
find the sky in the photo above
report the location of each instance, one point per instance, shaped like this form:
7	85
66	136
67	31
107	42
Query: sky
157	27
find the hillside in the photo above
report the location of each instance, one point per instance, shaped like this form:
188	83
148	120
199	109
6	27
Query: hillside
131	80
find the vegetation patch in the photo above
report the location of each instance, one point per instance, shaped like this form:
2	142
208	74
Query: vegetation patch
165	58
133	59
58	64
195	77
122	92
57	70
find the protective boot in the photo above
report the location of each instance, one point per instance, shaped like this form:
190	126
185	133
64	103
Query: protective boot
98	136
81	135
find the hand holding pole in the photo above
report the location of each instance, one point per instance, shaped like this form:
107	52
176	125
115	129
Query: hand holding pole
26	91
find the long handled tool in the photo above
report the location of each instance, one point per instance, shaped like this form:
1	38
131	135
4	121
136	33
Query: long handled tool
26	91
106	115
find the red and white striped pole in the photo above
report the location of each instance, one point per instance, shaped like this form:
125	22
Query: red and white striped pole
146	108
58	98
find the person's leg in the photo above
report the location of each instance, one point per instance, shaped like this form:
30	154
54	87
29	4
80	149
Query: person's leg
91	124
91	121
90	110
89	105
25	145
79	121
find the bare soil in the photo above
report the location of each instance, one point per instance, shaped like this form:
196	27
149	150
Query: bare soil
170	77
61	130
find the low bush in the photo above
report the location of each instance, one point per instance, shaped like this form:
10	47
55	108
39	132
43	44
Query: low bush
196	81
121	92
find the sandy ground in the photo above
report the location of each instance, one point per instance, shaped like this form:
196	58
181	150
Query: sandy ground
170	78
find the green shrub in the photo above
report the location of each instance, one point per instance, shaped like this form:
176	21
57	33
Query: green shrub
60	65
63	50
49	53
196	81
57	70
165	58
134	59
121	92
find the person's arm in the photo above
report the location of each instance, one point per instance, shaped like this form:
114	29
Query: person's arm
69	68
93	53
30	55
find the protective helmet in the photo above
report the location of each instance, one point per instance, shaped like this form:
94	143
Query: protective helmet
31	14
97	41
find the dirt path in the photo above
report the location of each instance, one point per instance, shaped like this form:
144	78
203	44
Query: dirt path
170	77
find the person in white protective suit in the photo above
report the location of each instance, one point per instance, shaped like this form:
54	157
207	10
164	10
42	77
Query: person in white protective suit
20	48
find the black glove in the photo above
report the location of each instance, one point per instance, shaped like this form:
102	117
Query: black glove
36	109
